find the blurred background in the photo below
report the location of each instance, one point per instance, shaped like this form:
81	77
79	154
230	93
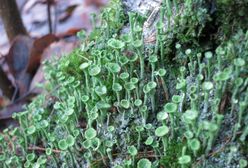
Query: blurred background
33	31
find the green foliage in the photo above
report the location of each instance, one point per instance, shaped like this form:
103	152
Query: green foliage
172	154
236	11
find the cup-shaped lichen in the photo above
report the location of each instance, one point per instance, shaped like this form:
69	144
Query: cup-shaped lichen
243	163
125	103
194	145
177	99
94	70
144	163
101	90
63	144
116	44
90	133
170	107
132	150
184	160
161	132
162	115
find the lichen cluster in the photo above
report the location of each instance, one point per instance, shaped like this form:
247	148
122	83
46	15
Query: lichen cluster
118	102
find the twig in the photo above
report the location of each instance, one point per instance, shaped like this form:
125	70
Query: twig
49	15
55	20
42	149
149	154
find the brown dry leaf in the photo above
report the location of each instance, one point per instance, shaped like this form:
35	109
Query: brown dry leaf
79	19
18	56
34	16
17	60
97	3
38	48
70	32
3	100
68	13
6	112
6	88
24	59
56	49
18	106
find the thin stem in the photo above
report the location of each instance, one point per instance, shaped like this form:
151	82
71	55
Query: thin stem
153	69
164	140
210	142
205	108
172	125
49	16
175	5
86	81
162	53
153	102
72	158
139	138
142	69
55	161
165	89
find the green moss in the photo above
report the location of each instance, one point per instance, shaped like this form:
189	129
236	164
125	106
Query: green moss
173	152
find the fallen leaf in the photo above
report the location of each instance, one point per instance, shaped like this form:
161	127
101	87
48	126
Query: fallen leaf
70	32
18	56
68	13
8	111
38	48
6	123
6	86
3	101
56	49
17	60
97	3
24	59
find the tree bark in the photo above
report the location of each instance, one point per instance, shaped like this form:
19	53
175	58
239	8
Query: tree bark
11	19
